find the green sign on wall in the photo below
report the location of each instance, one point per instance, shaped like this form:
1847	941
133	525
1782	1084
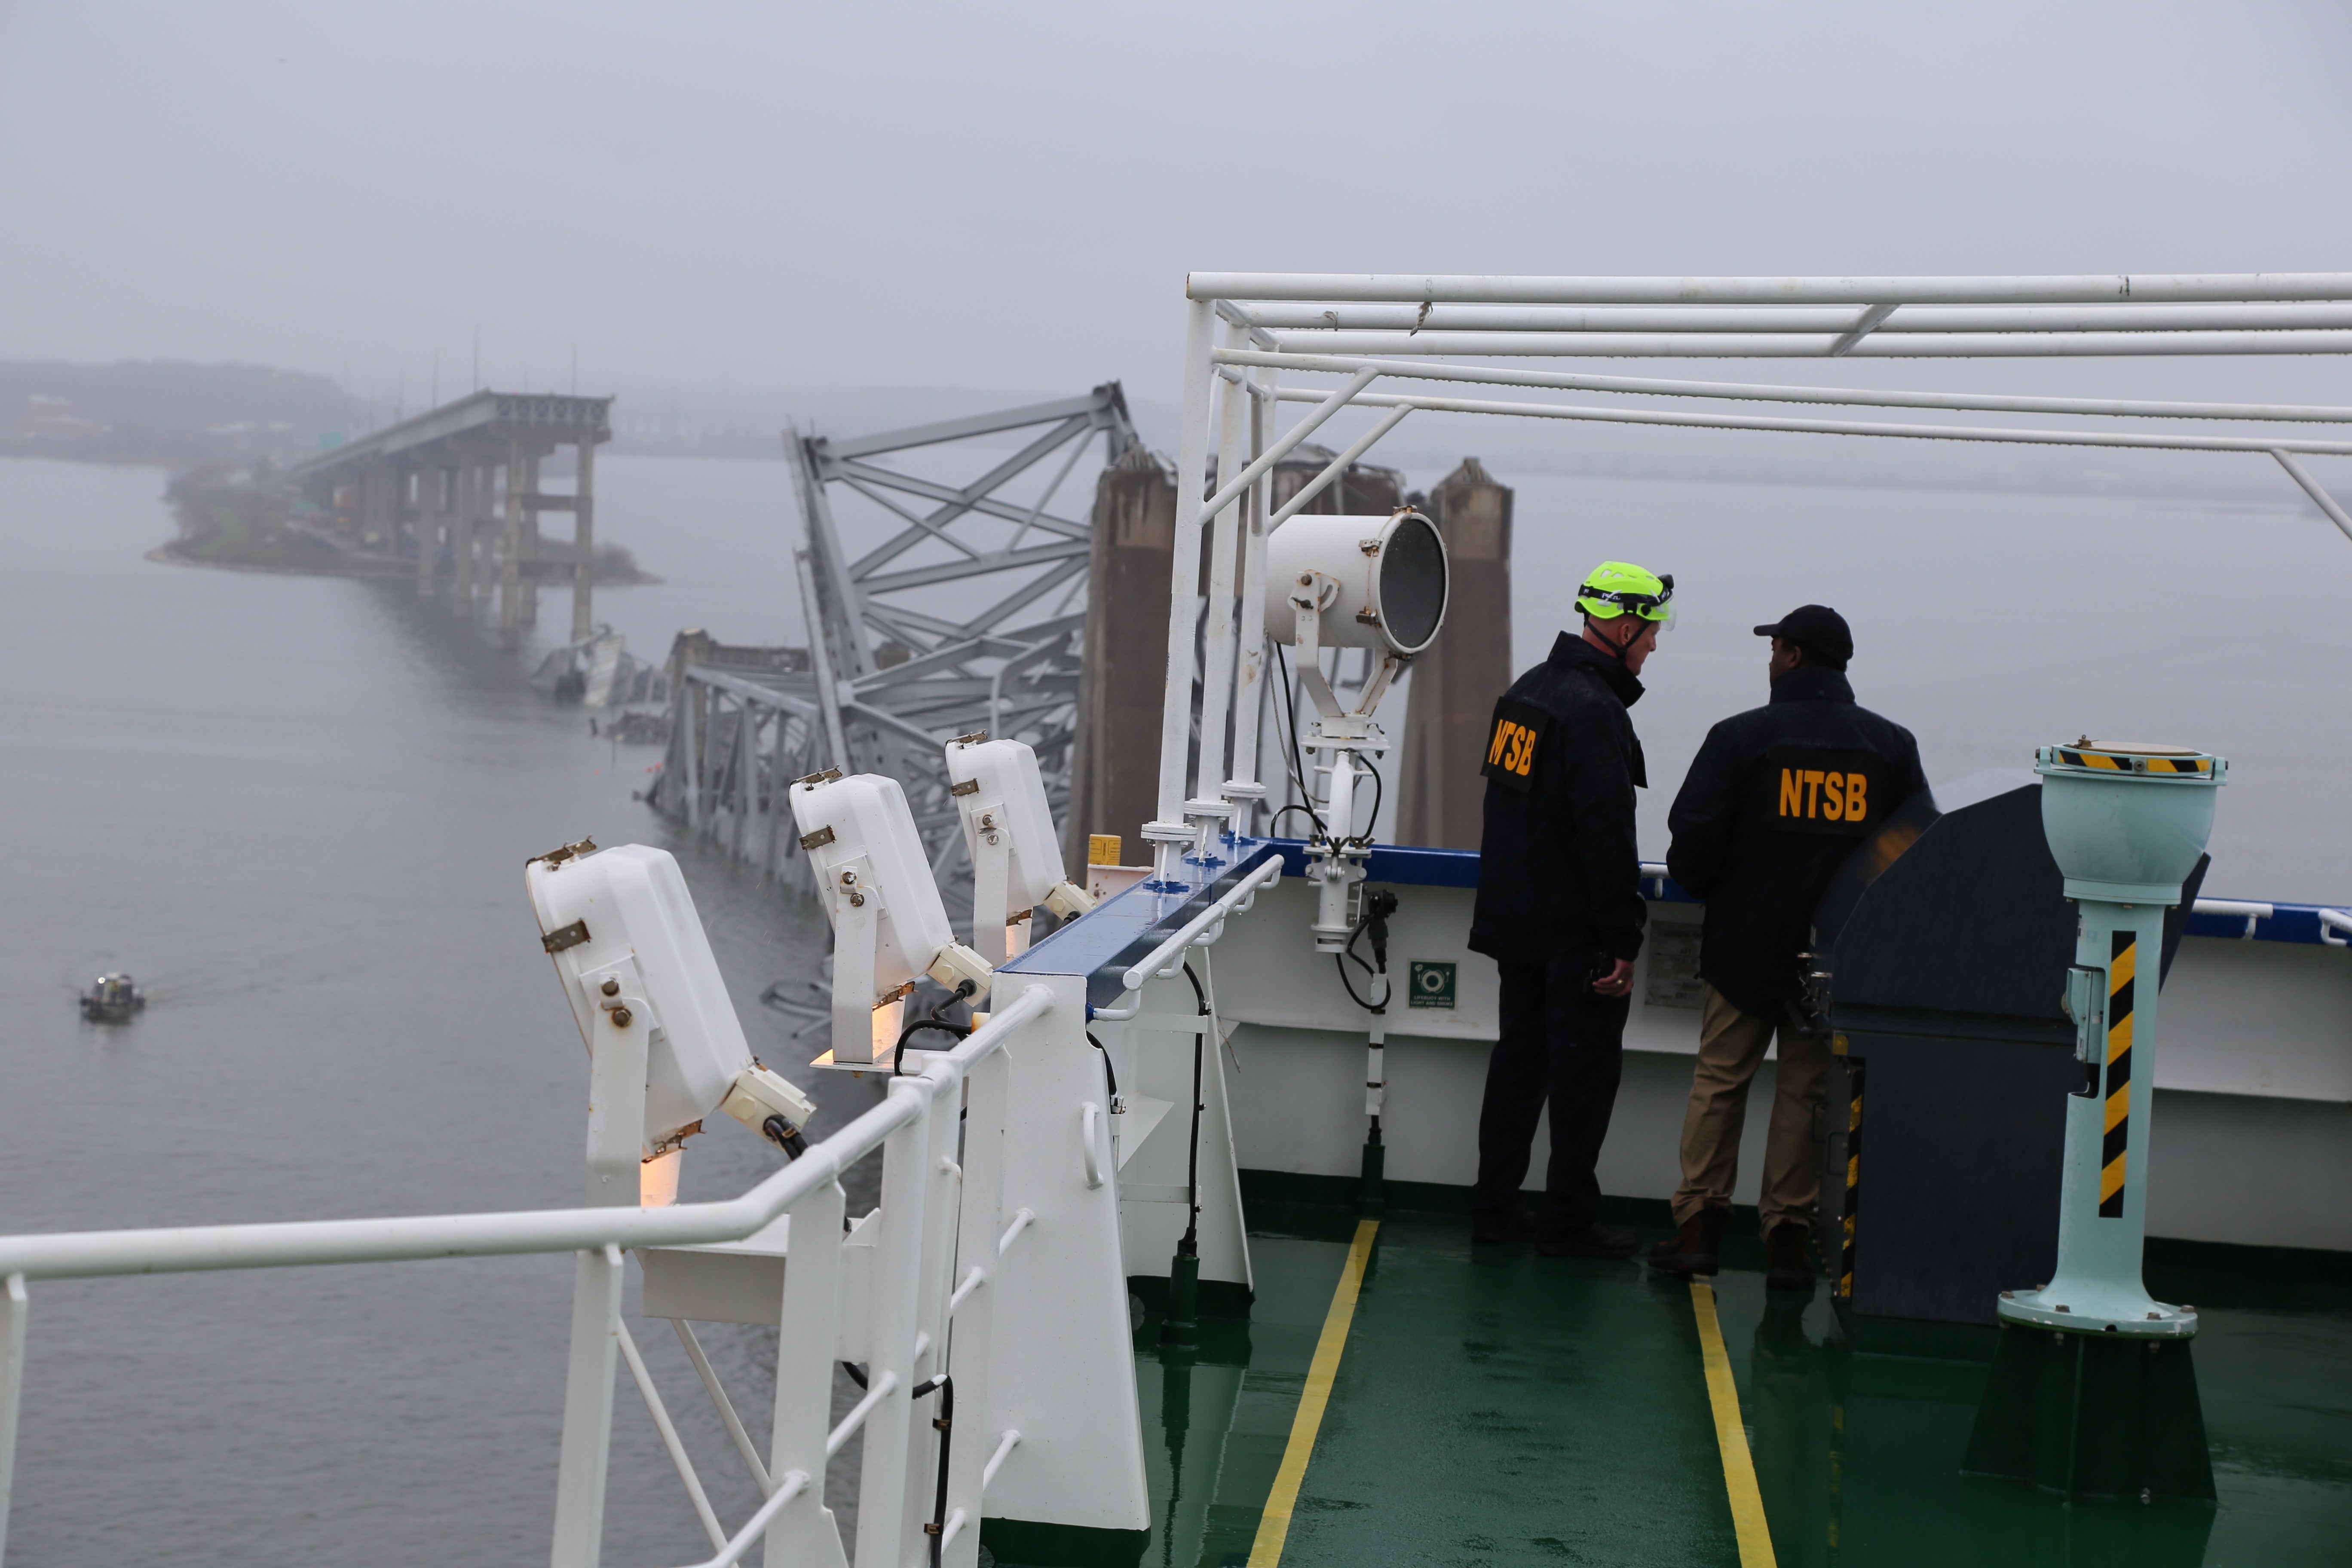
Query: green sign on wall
1432	985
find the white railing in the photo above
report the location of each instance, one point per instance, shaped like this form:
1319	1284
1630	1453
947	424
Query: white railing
942	1192
1201	930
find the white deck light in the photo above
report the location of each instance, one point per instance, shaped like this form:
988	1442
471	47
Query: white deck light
644	989
888	924
1008	828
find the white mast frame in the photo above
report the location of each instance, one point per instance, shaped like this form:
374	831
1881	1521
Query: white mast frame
1396	327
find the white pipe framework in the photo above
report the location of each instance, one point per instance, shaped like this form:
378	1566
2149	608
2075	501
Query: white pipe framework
1342	324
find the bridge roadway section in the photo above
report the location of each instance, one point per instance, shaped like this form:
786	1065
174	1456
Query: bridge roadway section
466	476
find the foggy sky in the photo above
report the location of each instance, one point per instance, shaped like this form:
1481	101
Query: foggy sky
1008	196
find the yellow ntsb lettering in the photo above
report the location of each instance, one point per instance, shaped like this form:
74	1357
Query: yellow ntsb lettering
1792	793
1857	796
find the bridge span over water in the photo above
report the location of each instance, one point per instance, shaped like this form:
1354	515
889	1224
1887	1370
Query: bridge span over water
460	487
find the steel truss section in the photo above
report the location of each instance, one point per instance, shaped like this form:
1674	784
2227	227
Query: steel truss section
1247	330
966	615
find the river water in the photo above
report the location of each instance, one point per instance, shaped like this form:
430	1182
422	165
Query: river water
297	810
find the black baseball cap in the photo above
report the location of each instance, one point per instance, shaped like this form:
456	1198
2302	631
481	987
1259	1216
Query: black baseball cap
1817	629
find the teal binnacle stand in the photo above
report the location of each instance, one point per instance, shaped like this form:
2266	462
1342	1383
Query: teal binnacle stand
2092	1391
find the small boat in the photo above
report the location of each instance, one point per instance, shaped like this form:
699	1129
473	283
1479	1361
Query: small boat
112	999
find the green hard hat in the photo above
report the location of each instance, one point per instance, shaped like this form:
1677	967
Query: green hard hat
1615	588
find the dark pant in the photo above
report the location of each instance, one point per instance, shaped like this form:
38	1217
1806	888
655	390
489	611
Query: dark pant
1558	1043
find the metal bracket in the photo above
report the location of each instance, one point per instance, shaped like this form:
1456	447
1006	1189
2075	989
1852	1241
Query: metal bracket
562	937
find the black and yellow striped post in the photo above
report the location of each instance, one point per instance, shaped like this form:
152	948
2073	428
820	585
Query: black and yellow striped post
2115	1143
2092	1391
1855	1072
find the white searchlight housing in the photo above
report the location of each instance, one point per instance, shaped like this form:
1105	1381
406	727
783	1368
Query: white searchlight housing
636	967
1008	829
1376	582
889	925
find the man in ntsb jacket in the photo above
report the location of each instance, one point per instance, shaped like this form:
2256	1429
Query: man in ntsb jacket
1560	910
1776	799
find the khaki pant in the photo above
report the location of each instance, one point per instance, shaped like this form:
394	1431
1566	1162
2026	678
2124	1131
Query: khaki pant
1730	1045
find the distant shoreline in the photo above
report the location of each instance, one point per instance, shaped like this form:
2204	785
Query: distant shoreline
363	568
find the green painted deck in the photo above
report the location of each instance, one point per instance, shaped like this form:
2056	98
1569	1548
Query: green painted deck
1497	1408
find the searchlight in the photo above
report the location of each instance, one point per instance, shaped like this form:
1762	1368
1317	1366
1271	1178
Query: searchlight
888	924
1008	830
1375	583
664	1048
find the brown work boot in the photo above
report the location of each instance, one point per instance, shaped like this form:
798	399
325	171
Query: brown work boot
1693	1248
1786	1265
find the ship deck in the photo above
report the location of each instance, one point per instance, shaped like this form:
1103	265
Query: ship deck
1488	1405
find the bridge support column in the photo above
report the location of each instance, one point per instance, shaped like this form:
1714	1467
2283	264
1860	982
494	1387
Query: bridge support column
428	528
376	499
485	529
583	541
511	539
461	538
527	537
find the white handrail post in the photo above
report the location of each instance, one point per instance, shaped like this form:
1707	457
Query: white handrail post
14	1306
587	1409
898	1284
1217	641
943	1179
979	1225
804	1534
1242	787
1168	831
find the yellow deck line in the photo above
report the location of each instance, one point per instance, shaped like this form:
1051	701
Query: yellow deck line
1273	1525
1730	1435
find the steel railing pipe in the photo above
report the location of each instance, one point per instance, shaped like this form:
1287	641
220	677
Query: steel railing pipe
1831	320
1650	387
2076	289
1190	933
2183	442
1326	404
1818	345
290	1243
1336	467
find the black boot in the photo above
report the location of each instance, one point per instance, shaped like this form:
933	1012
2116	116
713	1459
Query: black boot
1786	1265
1694	1248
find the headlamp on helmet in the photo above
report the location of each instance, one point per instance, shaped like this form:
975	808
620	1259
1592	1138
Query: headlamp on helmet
1617	588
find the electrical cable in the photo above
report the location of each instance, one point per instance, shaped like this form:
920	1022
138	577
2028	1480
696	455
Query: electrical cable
1378	904
931	1021
1110	1073
1191	1243
1291	753
1380	795
1286	810
785	1136
944	1425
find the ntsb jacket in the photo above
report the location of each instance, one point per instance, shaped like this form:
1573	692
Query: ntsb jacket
1776	799
1558	876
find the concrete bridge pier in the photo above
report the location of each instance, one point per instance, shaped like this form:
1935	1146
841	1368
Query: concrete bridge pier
427	529
510	549
584	542
527	551
461	538
438	475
